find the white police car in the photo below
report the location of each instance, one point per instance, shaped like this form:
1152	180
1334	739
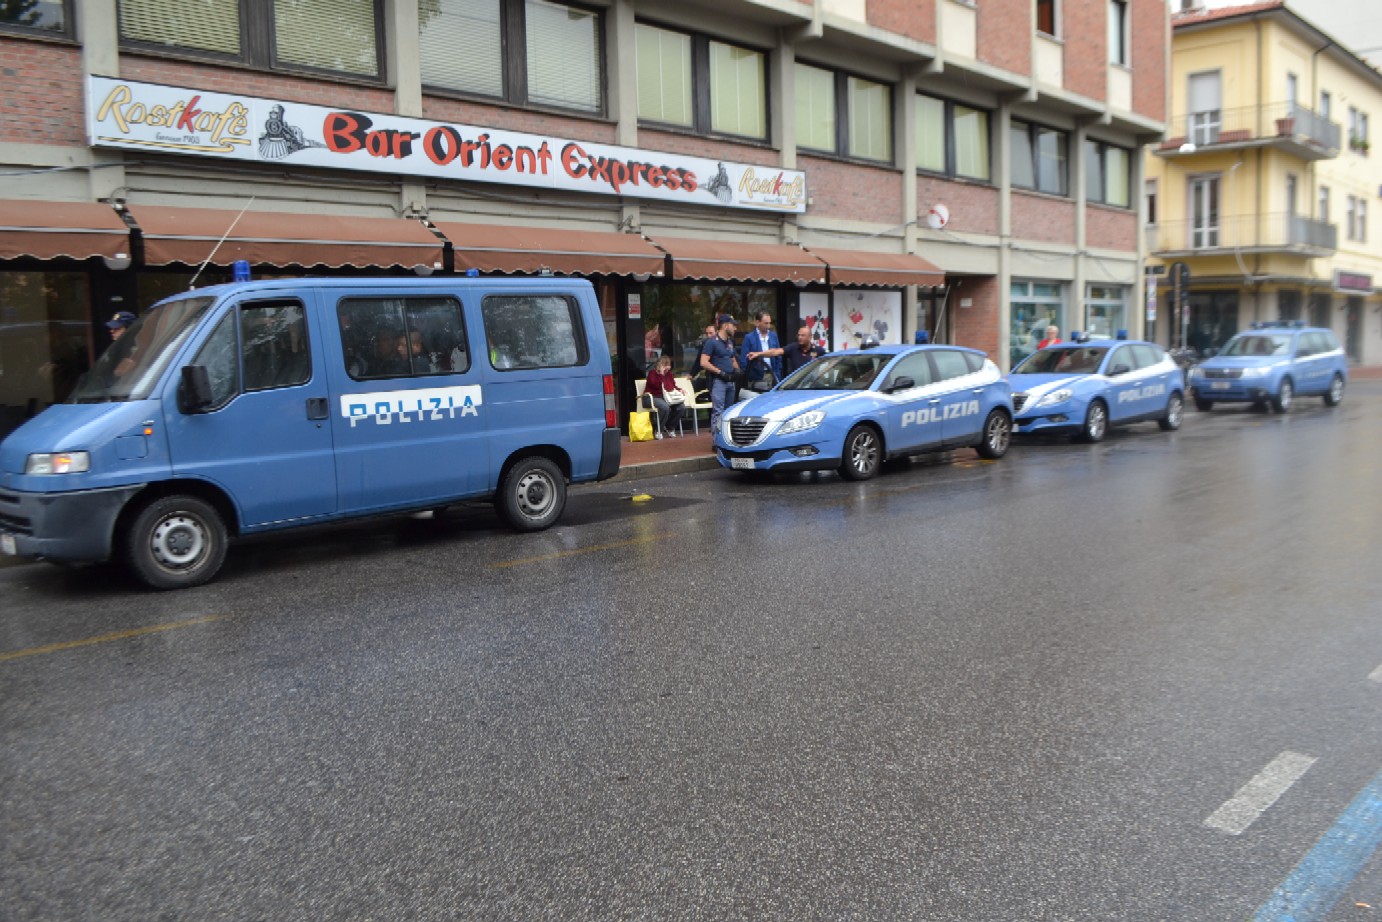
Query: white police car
1272	363
1085	386
852	410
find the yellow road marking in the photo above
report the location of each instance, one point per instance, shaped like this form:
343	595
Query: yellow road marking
590	549
106	638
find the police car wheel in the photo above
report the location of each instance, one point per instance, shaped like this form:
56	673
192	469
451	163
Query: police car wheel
1095	422
861	455
176	542
1175	409
532	495
1285	396
1335	395
1204	406
998	431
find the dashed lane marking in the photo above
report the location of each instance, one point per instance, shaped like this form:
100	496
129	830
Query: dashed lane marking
1376	675
1242	809
1315	885
106	638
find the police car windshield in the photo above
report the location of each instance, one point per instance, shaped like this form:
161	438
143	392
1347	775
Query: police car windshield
130	368
847	372
1260	344
1069	361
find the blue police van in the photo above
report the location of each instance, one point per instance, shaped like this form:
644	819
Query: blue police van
851	410
1271	363
264	405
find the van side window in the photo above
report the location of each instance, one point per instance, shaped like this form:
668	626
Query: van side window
221	359
274	334
537	331
403	337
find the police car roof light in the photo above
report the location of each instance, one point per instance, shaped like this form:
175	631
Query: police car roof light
1077	337
1121	334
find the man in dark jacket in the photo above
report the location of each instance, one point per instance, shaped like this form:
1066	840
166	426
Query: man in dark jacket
802	352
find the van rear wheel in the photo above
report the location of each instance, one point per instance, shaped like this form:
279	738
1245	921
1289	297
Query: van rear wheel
176	542
532	495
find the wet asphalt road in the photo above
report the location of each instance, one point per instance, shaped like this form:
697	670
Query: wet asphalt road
963	691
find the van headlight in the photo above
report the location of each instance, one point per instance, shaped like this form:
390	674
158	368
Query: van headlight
58	462
808	420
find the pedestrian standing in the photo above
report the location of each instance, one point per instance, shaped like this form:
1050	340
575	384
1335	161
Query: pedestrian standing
721	366
761	354
802	352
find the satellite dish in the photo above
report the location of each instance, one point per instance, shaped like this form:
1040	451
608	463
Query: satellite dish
938	216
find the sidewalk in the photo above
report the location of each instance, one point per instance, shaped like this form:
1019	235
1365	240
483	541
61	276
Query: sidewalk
666	456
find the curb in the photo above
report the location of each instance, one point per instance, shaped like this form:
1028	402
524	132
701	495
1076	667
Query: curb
665	468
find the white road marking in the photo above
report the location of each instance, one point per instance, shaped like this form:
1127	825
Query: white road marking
1242	809
1376	674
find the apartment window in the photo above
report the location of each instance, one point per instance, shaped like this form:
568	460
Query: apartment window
1118	32
525	52
1107	170
843	114
1291	194
1325	101
1356	219
1206	112
695	82
1039	158
952	138
1358	130
1348	217
40	17
1322	211
1204	212
1046	16
327	36
1362	218
1149	195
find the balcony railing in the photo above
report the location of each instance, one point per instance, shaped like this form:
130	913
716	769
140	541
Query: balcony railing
1290	126
1281	232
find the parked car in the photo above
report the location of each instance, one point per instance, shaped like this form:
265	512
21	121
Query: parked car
852	410
1085	386
265	405
1273	363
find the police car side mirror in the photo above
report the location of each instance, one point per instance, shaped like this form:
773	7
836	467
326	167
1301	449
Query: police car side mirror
1119	370
194	394
901	384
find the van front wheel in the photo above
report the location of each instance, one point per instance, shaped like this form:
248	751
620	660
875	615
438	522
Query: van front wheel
532	495
176	542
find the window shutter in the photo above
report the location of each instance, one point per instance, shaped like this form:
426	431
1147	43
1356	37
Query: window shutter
563	56
815	90
207	25
328	34
462	45
664	75
737	91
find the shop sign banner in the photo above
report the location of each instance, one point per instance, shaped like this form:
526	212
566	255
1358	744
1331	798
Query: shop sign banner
131	115
1356	282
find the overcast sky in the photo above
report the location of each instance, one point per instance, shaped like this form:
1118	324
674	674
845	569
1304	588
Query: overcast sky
1355	24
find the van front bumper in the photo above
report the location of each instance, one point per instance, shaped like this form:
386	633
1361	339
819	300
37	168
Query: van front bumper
75	527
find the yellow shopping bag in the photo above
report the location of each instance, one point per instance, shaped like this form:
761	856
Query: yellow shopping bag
640	426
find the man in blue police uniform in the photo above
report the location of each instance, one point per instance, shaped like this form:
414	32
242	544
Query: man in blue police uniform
761	354
720	365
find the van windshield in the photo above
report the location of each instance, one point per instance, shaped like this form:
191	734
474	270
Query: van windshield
130	368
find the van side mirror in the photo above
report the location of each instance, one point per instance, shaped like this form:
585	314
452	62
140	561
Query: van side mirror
194	394
901	384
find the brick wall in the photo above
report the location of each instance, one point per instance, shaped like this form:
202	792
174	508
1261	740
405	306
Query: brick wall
853	191
1005	29
905	17
973	208
976	326
1150	33
1084	31
1111	228
1037	217
278	87
41	99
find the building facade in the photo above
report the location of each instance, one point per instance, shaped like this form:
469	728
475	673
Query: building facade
1265	187
883	167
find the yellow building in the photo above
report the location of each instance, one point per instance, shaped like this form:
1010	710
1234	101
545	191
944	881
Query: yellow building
1265	187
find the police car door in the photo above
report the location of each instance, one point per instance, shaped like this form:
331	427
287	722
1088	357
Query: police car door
1310	366
407	406
1125	399
265	437
911	411
960	396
